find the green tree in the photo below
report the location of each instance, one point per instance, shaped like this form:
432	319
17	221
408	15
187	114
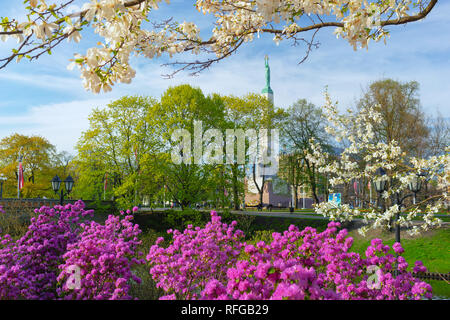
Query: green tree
113	148
241	113
292	171
180	108
302	122
253	112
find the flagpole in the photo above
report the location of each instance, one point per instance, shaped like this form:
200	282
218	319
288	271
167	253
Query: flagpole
18	179
19	174
105	185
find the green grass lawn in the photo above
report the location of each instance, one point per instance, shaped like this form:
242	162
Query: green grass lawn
432	249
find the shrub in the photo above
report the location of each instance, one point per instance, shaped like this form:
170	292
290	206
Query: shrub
195	256
181	219
29	266
104	256
36	265
213	263
16	225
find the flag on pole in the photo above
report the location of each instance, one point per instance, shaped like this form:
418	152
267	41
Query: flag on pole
136	155
106	181
368	185
20	176
355	186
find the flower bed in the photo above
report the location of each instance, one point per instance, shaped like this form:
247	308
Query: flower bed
62	257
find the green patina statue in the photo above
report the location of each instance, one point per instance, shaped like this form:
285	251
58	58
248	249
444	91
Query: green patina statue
267	72
267	88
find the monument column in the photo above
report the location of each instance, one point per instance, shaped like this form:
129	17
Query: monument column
267	91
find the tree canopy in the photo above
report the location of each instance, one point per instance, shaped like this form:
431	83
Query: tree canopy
40	163
402	117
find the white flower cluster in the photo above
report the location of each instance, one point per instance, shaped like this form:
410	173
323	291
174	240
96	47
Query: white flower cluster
362	156
121	23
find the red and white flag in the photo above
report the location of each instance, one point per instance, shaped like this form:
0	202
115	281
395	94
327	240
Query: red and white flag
20	176
106	181
355	186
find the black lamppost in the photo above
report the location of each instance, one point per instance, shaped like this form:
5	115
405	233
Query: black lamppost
2	179
56	183
381	185
415	185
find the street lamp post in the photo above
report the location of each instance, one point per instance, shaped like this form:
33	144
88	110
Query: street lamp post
380	183
2	179
56	183
415	186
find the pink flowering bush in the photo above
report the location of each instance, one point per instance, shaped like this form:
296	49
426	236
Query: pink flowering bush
36	265
29	266
195	257
213	263
62	257
104	254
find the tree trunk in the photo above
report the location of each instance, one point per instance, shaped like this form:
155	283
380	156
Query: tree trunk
235	187
261	193
313	184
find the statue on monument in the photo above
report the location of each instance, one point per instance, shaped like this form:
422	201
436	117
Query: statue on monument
267	72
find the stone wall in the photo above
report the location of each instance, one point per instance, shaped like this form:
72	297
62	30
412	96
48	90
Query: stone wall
24	206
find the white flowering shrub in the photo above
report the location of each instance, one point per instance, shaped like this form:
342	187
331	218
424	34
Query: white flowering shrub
360	159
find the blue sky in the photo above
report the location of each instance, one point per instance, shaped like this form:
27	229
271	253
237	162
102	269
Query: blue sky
46	99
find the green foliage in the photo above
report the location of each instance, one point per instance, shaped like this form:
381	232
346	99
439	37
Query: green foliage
227	216
102	208
179	109
282	224
302	122
14	224
146	290
113	149
253	112
181	219
262	235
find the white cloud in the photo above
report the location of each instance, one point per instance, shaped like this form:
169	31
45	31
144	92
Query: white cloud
44	81
60	123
